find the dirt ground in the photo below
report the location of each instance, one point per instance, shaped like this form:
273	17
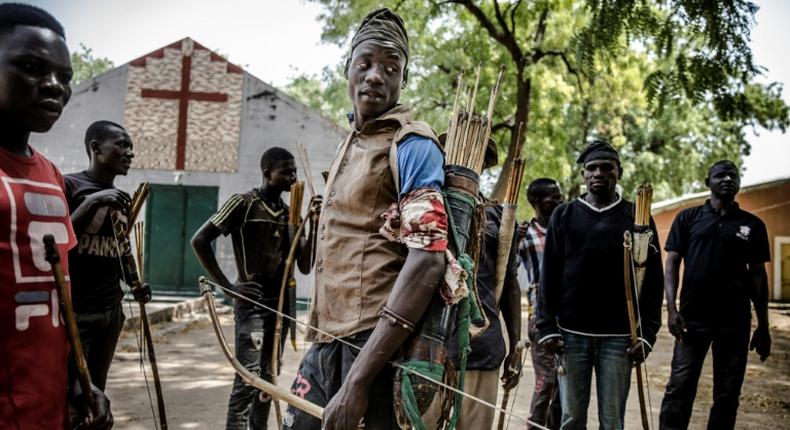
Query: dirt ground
196	380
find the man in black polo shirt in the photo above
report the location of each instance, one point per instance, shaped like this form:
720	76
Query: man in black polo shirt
725	250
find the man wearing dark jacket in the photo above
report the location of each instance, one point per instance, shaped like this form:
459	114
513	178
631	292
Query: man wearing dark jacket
582	315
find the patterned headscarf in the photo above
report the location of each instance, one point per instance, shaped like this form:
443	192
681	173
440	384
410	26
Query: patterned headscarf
386	28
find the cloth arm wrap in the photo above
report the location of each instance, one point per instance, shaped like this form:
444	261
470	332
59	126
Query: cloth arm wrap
419	221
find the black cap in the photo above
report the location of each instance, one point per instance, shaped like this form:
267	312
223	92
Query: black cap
596	150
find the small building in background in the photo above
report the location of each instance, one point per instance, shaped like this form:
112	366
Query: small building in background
770	201
199	126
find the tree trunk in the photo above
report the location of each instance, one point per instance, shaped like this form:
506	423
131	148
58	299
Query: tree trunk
523	93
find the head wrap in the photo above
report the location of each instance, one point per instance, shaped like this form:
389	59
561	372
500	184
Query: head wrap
596	150
386	28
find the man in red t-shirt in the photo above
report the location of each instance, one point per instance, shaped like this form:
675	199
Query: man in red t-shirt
35	71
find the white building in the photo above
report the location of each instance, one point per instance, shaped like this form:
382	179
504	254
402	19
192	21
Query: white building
199	126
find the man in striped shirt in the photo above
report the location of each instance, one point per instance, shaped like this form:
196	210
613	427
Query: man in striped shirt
258	224
544	196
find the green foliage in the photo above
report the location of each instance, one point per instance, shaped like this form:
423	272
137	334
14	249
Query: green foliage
85	66
671	83
326	95
704	47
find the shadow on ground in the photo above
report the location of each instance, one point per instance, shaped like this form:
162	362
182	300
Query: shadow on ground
196	380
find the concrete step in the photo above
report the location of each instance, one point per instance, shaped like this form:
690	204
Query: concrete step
168	308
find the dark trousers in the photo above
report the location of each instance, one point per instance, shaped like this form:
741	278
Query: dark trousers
254	332
545	408
730	348
99	333
320	376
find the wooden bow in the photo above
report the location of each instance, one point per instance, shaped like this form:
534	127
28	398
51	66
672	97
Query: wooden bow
296	202
632	323
129	268
248	377
53	258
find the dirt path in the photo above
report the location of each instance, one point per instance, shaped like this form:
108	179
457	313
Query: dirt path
197	380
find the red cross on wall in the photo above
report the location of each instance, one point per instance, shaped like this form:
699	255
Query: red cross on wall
183	96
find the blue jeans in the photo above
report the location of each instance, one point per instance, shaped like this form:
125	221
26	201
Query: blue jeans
612	379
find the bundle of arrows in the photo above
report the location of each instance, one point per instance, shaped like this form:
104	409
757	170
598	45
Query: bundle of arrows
467	136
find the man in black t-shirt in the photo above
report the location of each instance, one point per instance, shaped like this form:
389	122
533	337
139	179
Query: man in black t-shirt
724	250
581	313
95	269
488	349
258	224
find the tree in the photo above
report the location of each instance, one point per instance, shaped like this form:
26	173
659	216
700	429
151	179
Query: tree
326	94
85	66
671	84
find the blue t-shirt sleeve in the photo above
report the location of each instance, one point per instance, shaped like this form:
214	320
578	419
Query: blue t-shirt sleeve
420	164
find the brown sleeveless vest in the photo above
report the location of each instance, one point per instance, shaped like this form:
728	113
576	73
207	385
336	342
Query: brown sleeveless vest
356	266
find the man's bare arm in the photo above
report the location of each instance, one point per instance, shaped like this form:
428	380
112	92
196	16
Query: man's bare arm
759	285
113	197
761	339
201	244
671	281
304	253
410	297
510	306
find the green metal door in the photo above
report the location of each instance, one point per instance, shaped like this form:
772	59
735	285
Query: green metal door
173	215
